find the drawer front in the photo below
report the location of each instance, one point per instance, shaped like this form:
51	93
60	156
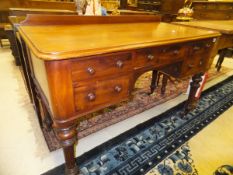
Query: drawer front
200	47
174	69
100	66
198	56
195	63
159	55
101	93
226	41
172	53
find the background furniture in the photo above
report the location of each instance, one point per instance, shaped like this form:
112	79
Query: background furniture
18	15
213	10
225	27
168	9
5	5
98	64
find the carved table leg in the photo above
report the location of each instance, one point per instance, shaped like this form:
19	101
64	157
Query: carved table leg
153	81
220	59
194	85
68	137
164	84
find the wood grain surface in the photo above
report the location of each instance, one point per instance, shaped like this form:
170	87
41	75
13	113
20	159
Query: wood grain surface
223	26
56	42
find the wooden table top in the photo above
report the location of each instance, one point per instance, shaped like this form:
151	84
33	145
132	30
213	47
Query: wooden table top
56	42
223	26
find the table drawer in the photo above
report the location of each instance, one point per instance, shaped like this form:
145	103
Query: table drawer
199	48
196	61
172	53
100	66
195	64
225	41
159	55
101	93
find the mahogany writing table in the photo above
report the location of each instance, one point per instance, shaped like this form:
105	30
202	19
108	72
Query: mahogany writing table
80	64
225	27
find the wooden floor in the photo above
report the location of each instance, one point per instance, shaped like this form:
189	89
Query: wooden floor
213	146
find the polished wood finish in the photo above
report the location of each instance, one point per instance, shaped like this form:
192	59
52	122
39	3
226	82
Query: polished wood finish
97	62
213	10
225	27
77	47
17	16
25	11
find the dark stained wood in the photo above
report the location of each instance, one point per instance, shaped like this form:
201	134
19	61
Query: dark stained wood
171	6
194	85
213	10
153	81
94	66
222	54
12	39
164	84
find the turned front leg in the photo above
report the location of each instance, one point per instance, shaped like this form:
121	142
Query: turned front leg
68	137
194	85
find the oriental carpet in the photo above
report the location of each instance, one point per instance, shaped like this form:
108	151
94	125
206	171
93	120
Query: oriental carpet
159	145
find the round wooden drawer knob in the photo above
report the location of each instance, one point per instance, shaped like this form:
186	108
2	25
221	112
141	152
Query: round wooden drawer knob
91	71
201	63
118	88
208	45
176	52
150	57
190	66
119	64
91	96
196	48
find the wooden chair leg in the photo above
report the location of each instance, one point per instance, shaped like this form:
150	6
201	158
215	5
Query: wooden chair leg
220	59
153	81
164	83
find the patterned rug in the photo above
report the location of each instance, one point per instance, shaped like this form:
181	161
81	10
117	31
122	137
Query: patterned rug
140	149
140	102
